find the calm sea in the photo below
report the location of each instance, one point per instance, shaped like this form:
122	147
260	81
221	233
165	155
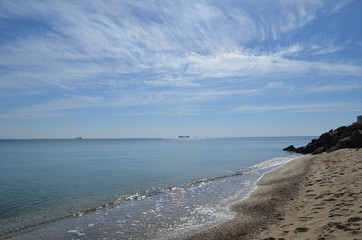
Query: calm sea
129	188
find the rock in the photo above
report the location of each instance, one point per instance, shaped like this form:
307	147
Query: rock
291	148
342	137
318	150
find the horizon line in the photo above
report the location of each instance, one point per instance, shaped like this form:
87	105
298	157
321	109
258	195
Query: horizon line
195	137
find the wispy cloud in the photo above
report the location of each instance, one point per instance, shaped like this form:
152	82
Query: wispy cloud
55	108
185	110
314	107
169	103
337	6
107	45
173	58
317	50
336	87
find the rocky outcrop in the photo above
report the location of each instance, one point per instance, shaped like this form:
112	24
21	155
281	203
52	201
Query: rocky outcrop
342	137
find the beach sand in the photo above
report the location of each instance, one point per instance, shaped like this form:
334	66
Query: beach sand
313	197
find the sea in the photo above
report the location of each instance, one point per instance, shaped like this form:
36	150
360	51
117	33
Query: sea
150	188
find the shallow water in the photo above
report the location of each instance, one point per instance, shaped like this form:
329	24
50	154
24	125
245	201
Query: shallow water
128	188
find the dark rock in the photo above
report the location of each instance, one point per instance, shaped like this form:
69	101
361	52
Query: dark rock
291	148
318	150
342	137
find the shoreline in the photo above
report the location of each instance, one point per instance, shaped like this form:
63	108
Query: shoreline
208	208
285	200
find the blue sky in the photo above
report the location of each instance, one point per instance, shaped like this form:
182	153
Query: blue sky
158	68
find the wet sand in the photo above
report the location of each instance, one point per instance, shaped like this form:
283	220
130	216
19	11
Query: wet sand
313	197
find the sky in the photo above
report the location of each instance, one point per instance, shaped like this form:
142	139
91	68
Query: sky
163	68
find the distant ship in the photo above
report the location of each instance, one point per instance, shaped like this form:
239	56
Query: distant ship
183	136
78	138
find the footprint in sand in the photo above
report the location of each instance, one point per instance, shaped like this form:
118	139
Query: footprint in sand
305	219
317	208
329	199
354	219
301	229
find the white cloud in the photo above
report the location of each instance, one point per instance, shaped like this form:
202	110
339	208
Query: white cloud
99	44
173	56
336	87
313	107
251	66
55	108
328	50
167	102
185	110
337	6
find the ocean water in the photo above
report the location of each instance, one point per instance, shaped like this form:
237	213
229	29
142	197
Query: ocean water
129	188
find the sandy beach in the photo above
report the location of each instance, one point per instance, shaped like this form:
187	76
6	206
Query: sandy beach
313	197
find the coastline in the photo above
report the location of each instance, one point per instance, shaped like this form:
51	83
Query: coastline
312	197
